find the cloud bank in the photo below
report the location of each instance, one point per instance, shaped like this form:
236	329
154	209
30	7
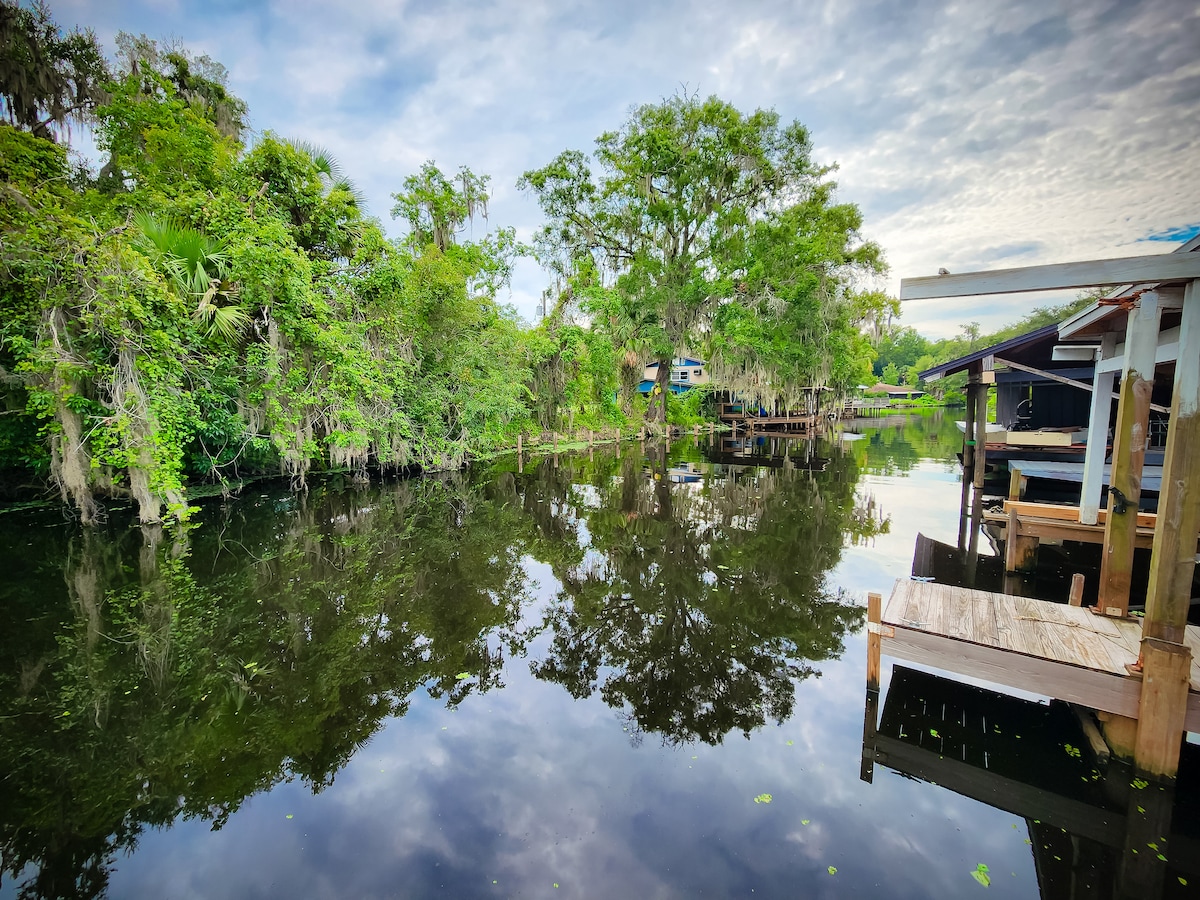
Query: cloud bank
972	135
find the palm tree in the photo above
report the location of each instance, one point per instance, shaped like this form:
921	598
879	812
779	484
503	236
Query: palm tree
330	171
197	267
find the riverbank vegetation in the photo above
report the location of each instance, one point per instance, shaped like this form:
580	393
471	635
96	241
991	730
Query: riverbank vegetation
195	307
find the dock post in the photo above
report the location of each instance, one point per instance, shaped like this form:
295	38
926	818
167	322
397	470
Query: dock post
980	462
968	460
871	707
1162	710
1166	659
1129	454
1016	482
1076	596
1020	550
874	623
1173	558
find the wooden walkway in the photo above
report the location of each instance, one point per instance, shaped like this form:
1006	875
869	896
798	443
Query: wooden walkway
1051	649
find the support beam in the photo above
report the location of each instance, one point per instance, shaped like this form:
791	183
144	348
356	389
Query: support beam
980	469
1071	382
1173	560
1059	276
1130	437
1097	444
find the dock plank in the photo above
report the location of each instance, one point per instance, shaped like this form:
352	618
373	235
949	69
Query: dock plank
960	618
983	614
893	610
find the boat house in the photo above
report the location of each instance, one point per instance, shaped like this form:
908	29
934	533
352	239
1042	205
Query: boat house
1141	676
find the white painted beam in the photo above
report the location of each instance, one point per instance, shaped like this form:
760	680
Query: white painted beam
1097	444
1167	351
1058	276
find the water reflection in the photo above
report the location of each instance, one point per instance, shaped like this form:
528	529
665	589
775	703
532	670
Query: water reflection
149	677
701	602
1094	829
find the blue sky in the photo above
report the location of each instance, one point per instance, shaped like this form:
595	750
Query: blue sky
973	135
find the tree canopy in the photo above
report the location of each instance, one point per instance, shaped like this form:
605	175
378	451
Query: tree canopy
720	235
200	309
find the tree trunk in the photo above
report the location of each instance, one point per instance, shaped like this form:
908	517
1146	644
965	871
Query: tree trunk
657	410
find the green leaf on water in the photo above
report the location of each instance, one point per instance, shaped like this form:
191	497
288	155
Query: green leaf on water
933	732
981	875
833	870
463	676
289	815
790	743
763	798
726	568
805	821
1163	858
1183	881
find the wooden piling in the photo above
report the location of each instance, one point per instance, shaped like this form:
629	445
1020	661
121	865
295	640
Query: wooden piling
1020	550
1016	482
1162	710
1129	454
1076	596
1173	559
968	453
874	624
980	463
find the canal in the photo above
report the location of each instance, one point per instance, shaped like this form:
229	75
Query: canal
616	674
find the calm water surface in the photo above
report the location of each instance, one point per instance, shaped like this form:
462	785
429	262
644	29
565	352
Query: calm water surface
633	675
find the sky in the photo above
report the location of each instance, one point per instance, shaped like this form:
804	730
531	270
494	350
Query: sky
972	135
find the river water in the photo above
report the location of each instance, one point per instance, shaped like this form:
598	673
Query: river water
633	674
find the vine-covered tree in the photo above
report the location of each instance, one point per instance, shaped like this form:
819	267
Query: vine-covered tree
697	207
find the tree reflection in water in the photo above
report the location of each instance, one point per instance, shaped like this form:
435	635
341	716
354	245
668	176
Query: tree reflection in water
701	603
147	676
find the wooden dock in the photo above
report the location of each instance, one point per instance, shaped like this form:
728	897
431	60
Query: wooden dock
1051	649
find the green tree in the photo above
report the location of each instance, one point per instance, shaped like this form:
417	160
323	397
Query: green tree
891	374
673	208
47	79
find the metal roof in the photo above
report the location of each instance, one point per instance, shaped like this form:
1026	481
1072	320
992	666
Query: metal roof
965	362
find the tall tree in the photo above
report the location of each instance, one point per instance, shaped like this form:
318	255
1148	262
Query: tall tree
47	78
677	182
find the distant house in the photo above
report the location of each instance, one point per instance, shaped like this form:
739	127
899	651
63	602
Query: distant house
686	373
896	392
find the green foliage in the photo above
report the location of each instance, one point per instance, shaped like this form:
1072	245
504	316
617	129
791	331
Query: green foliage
718	228
200	310
47	79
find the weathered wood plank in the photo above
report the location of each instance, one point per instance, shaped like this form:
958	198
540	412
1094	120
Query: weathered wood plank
1129	453
1098	690
1162	711
983	614
1057	276
960	621
1173	562
1070	514
897	601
